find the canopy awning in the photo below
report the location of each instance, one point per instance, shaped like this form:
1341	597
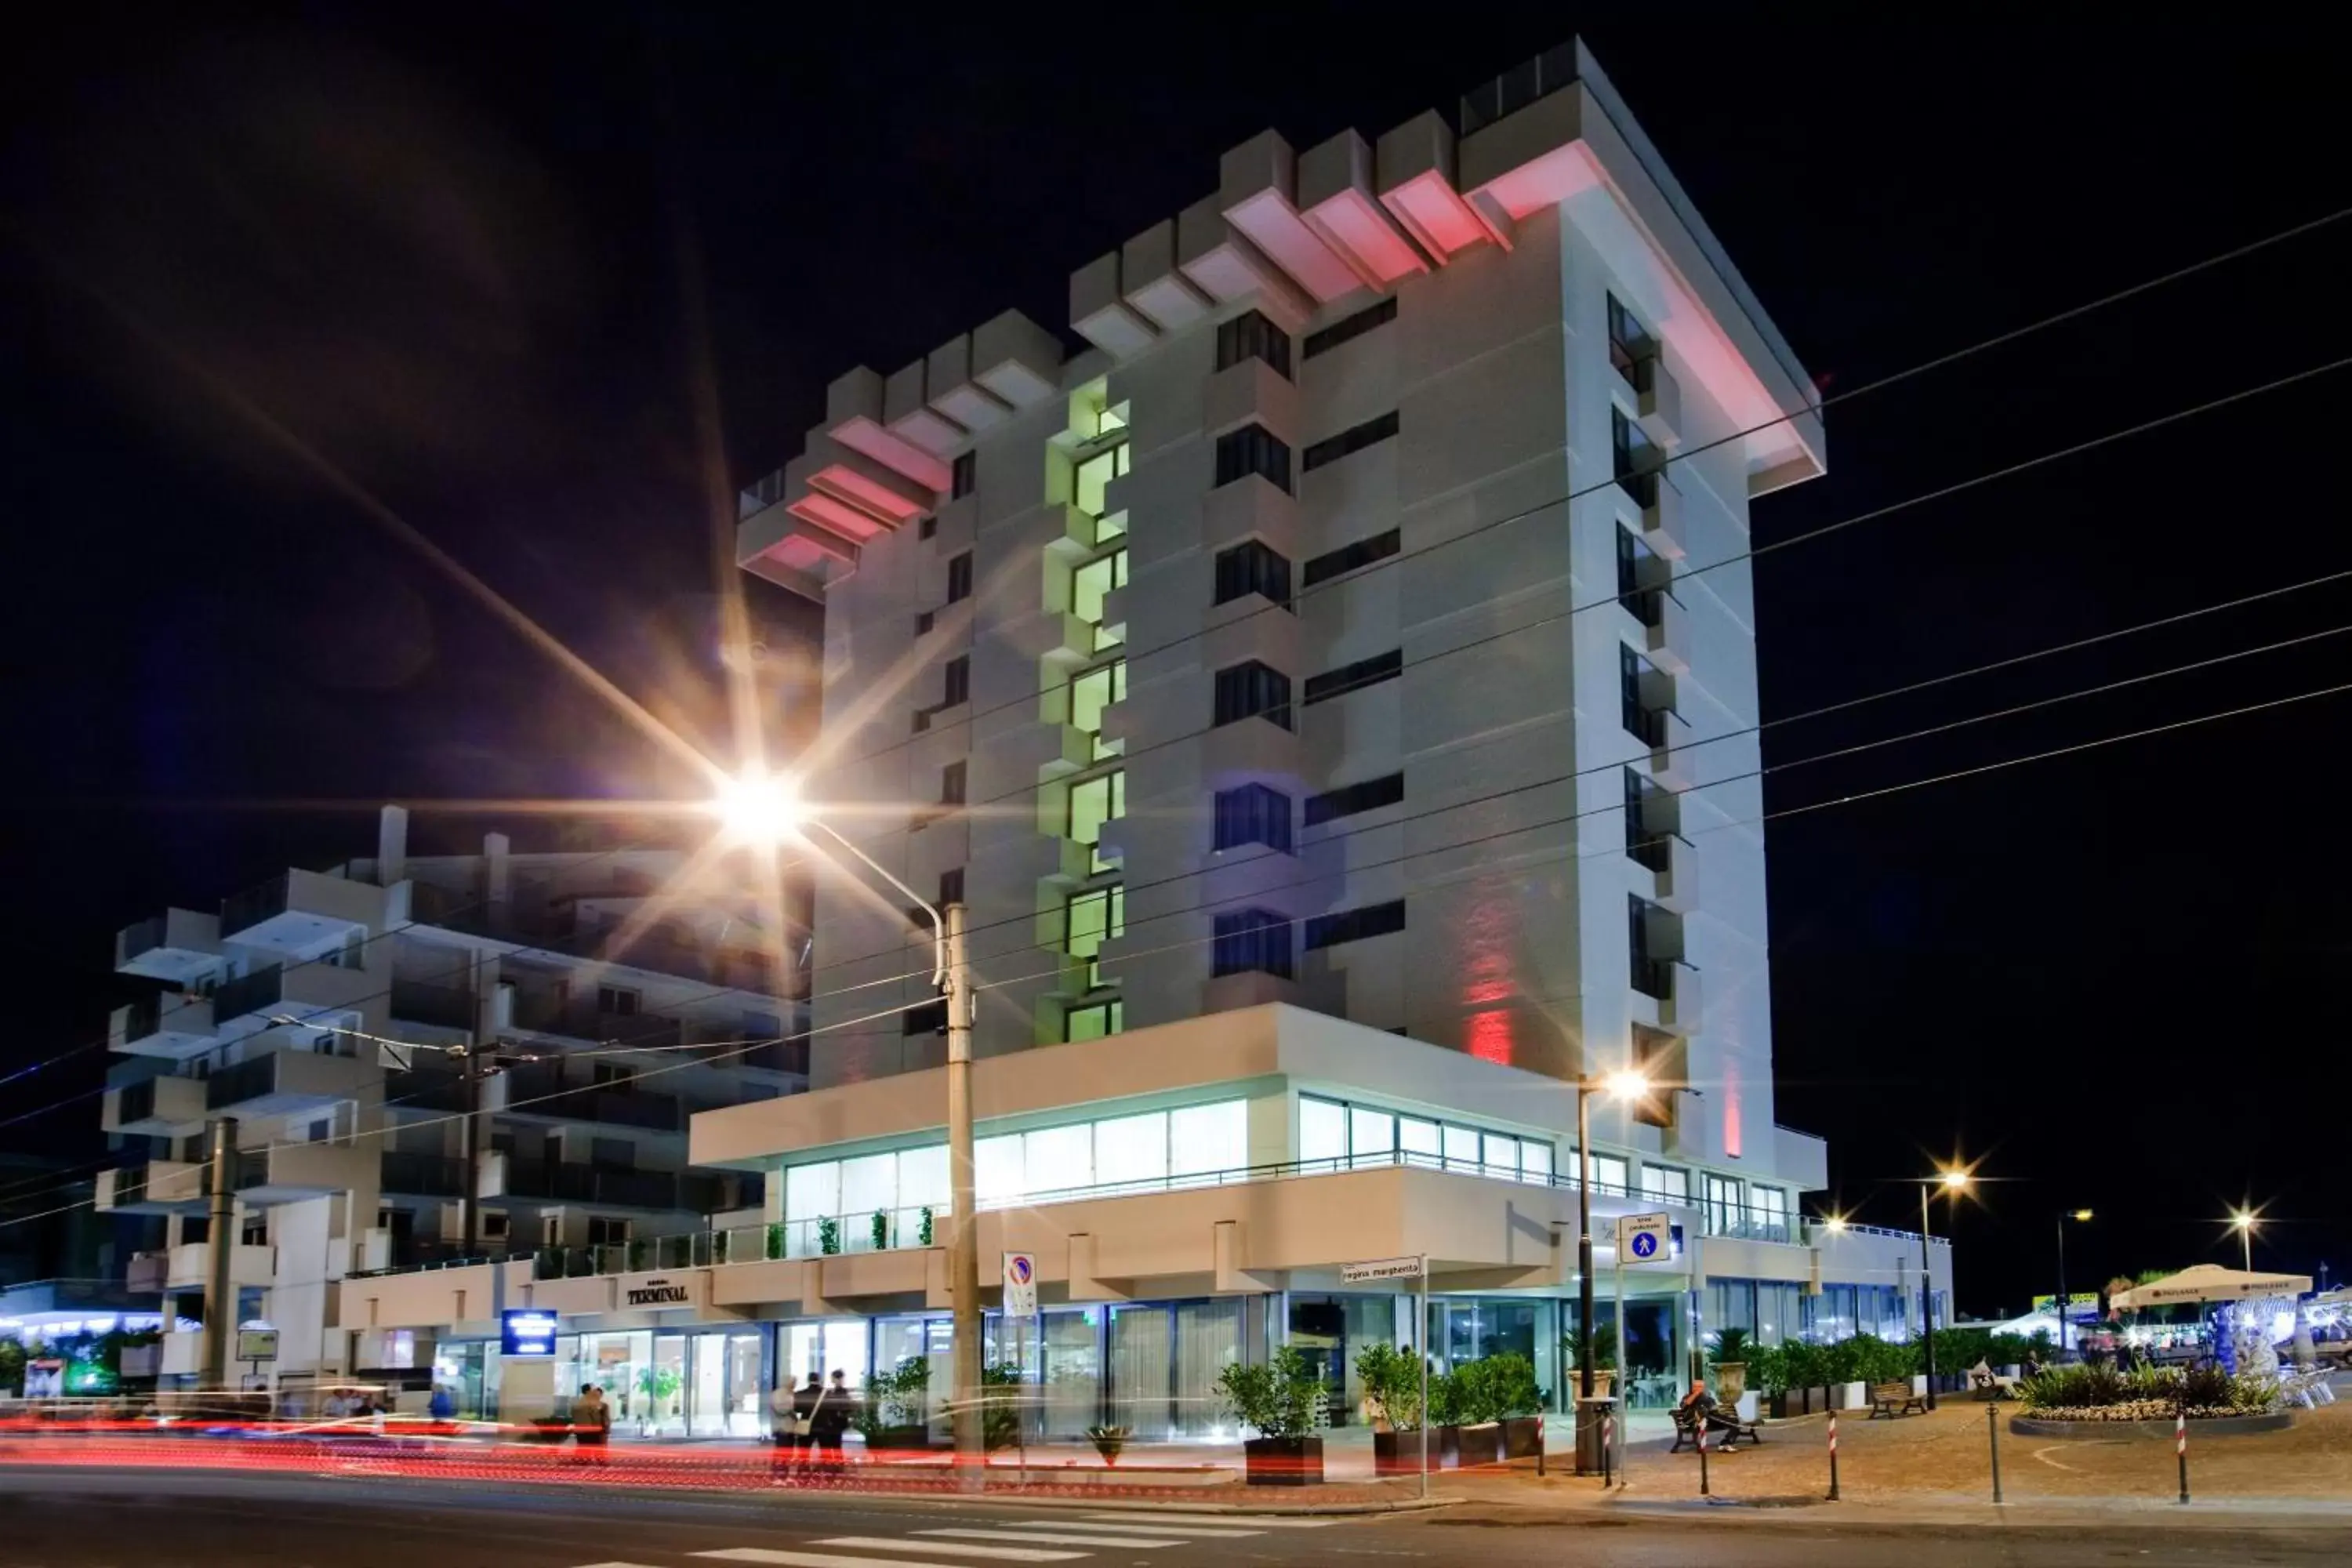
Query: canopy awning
2208	1282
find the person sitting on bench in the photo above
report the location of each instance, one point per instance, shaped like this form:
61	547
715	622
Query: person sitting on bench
1702	1412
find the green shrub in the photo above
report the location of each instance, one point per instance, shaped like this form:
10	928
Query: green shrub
1804	1365
878	1229
1494	1386
1391	1380
1000	1395
1109	1441
1444	1399
1601	1345
1281	1397
1768	1369
1731	1345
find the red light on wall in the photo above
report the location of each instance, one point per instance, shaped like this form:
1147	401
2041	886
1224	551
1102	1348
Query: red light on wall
1489	1036
1731	1114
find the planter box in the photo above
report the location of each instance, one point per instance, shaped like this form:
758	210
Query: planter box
889	1439
1848	1395
1284	1461
1399	1453
1730	1380
1480	1444
1523	1437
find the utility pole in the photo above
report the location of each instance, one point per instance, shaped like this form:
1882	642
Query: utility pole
220	1285
963	1233
471	1177
1927	1299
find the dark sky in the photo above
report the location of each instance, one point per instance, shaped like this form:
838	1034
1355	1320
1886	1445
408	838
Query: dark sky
499	264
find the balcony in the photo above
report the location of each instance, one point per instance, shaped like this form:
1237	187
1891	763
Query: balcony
158	1186
294	1171
175	1028
424	1090
246	1004
1662	512
296	910
1666	627
180	946
539	1089
1673	986
188	1268
654	1191
1657	396
440	1006
1675	860
156	1108
287	1083
543	1014
414	1175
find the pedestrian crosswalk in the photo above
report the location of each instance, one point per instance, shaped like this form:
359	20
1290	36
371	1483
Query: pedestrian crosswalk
1059	1536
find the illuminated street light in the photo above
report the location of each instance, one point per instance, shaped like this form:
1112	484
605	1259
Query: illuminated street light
1953	1179
759	808
1624	1084
2080	1217
1956	1179
2244	1222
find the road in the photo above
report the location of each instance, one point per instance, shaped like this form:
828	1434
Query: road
52	1518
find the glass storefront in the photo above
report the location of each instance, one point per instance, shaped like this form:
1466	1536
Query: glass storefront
705	1384
1332	1331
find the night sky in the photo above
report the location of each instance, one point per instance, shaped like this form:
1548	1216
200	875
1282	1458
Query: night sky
547	281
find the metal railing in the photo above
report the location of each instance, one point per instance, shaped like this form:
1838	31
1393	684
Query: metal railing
539	1089
1516	88
414	1174
445	1007
1746	1222
243	912
142	936
142	1018
250	993
135	1102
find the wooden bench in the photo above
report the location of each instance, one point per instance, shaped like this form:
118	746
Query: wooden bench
1731	1426
1894	1399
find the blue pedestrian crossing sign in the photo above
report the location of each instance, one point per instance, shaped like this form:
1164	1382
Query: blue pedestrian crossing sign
1644	1238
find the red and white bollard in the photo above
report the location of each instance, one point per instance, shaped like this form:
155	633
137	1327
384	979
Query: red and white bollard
2181	1449
1834	1475
1608	1448
1702	1455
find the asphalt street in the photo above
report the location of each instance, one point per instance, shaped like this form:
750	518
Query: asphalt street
63	1518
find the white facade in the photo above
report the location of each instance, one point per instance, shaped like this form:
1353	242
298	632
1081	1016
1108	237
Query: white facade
319	1010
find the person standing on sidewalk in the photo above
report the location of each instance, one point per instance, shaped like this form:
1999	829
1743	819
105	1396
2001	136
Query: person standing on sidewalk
591	1425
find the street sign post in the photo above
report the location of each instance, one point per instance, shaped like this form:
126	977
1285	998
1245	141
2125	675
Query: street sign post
1379	1269
1641	1239
1020	1306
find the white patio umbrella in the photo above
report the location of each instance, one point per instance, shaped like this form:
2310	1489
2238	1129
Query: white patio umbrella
2208	1282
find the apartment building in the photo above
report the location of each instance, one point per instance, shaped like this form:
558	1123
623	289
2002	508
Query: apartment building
333	1014
1332	693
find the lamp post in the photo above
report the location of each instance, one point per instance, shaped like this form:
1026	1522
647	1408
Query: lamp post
767	809
1952	1181
2243	1222
2081	1217
1622	1084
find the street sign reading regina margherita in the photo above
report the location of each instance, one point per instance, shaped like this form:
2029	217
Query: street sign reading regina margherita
1380	1268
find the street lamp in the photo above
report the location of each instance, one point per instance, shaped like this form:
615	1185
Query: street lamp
1953	1180
766	810
2080	1217
1622	1084
2243	1221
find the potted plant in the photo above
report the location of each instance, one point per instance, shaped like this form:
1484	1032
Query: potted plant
878	1229
1445	1419
1804	1367
1732	1364
1480	1408
1109	1441
775	1238
895	1413
923	1225
1282	1401
1767	1368
1391	1380
999	1396
828	1236
1517	1402
1600	1347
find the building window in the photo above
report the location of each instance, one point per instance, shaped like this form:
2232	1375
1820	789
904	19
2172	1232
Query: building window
618	1001
1251	941
1610	1173
1091	691
1251	336
950	887
1666	1185
959	577
1089	920
1090	481
964	475
1095	1022
955	689
1350	328
1094	802
255	1230
1252	449
1090	587
1646	845
1347	1134
1651	976
1354	676
494	1225
929	527
1723	1208
1347	557
1253	567
1368	795
1332	449
1253	814
951	784
1252	690
603	1230
924	621
1769	1206
929	1018
1354	925
1641	720
612	1075
1634	460
1630	349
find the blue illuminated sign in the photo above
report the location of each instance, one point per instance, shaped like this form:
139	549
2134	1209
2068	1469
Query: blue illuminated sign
526	1331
